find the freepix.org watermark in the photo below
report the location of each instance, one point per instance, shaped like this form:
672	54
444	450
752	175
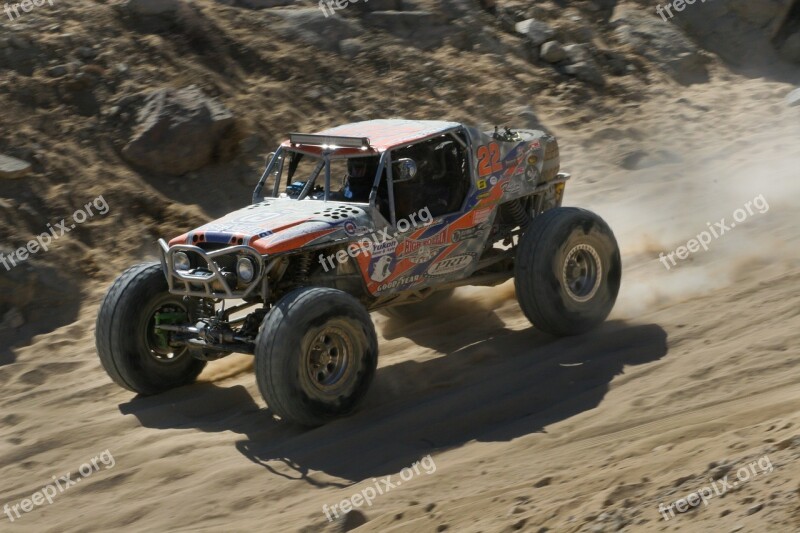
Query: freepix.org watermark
329	7
678	5
59	485
708	492
376	241
43	241
715	231
368	494
13	10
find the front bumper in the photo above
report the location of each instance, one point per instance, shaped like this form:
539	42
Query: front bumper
211	281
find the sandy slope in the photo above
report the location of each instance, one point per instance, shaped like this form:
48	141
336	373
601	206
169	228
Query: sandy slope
697	366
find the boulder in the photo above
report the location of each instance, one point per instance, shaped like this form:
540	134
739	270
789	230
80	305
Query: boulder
791	48
662	43
793	99
552	52
151	7
536	31
11	167
587	72
422	29
177	131
313	27
263	4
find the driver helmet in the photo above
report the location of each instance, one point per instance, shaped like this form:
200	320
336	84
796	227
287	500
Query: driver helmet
360	176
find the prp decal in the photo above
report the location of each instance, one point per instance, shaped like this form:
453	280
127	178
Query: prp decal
451	264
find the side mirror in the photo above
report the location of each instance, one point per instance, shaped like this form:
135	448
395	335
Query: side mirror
403	170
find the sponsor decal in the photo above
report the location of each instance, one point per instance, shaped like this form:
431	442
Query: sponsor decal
350	227
381	268
482	184
511	187
383	248
450	264
493	181
533	160
481	215
424	250
531	173
399	282
467	233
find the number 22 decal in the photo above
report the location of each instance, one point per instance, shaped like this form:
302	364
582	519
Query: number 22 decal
489	159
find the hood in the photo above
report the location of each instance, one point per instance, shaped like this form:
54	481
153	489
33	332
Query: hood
278	225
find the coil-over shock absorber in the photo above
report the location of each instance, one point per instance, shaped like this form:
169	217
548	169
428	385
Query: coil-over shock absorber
301	266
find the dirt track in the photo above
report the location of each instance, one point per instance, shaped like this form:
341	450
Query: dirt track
697	366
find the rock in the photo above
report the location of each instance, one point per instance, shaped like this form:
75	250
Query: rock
310	25
552	52
791	48
587	72
662	43
13	319
262	4
536	31
379	5
57	71
350	48
178	131
352	520
86	53
423	29
754	509
758	13
151	7
18	42
578	53
12	168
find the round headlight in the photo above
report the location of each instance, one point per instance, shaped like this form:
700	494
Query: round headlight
180	261
246	269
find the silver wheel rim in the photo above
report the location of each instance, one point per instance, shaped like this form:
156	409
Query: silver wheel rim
329	360
582	273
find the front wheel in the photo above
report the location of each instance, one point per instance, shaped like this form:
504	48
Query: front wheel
316	355
135	354
567	271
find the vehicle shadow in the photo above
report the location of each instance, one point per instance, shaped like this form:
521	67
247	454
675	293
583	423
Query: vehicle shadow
497	389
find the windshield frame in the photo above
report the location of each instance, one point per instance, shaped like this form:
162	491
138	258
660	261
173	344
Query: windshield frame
276	166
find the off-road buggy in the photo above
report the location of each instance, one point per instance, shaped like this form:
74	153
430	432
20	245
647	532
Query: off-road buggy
383	215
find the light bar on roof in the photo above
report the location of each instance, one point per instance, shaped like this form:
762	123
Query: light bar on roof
329	140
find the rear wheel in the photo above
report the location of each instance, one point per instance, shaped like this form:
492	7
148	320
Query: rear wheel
567	271
132	351
316	355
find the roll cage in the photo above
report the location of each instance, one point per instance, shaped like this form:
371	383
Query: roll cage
327	148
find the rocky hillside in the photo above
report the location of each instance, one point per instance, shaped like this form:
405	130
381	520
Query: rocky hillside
165	109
